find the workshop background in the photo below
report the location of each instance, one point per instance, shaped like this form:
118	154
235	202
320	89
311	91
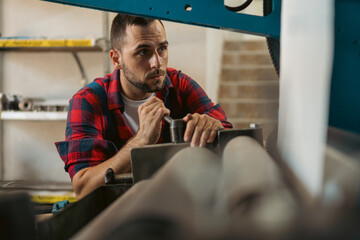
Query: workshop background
234	69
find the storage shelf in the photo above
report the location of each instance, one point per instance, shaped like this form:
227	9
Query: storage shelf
33	116
52	49
48	45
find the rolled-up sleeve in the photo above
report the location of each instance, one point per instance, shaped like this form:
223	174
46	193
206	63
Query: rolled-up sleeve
78	154
84	145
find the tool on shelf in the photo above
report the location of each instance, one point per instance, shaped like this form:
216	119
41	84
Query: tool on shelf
14	102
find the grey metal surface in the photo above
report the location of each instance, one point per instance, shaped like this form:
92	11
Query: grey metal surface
179	194
224	136
247	169
197	195
147	160
251	187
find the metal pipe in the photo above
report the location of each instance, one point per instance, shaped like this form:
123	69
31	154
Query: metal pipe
199	196
179	198
177	129
85	79
252	188
247	170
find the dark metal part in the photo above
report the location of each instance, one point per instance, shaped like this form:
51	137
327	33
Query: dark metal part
168	206
272	43
177	129
112	178
239	8
66	223
81	68
224	136
147	160
9	101
3	102
16	217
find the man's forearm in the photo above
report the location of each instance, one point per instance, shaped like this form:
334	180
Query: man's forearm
88	179
150	119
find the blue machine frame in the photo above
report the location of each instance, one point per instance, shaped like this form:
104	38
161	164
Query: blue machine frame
209	13
345	85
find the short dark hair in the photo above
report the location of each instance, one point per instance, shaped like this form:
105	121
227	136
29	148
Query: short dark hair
119	24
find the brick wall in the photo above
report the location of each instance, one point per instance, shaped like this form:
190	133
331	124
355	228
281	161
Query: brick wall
249	86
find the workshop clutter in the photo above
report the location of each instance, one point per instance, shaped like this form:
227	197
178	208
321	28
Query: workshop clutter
14	102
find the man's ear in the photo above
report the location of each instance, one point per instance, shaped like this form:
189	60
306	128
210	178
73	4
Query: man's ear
115	58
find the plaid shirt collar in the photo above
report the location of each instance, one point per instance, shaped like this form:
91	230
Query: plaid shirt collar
114	96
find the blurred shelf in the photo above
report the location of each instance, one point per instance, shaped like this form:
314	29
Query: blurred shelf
52	49
36	185
48	45
41	192
33	116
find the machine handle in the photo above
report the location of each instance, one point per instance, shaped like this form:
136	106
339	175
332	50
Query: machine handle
177	129
112	178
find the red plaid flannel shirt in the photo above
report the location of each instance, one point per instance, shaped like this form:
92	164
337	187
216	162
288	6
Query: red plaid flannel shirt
96	130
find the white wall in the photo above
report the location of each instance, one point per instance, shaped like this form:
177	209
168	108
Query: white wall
187	50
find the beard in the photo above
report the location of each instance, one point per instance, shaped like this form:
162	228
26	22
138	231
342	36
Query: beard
143	85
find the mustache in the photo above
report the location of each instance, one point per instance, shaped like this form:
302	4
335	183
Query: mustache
154	73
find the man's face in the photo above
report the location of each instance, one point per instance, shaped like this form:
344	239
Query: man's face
144	56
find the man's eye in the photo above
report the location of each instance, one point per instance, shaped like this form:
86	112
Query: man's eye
143	52
162	49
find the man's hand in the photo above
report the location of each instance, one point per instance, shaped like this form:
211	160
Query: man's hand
201	129
150	119
151	114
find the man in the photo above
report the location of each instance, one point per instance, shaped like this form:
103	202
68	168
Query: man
125	109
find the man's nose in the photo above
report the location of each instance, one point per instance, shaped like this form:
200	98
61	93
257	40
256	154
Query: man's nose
155	61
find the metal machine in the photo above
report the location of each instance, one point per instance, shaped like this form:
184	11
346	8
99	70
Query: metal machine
344	107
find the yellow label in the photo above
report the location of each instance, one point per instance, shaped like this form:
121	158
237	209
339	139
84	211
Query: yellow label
10	43
48	199
79	42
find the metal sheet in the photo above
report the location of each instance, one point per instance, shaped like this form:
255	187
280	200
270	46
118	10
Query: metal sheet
145	161
225	136
305	77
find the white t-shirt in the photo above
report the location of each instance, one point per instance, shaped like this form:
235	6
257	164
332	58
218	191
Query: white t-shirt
130	114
